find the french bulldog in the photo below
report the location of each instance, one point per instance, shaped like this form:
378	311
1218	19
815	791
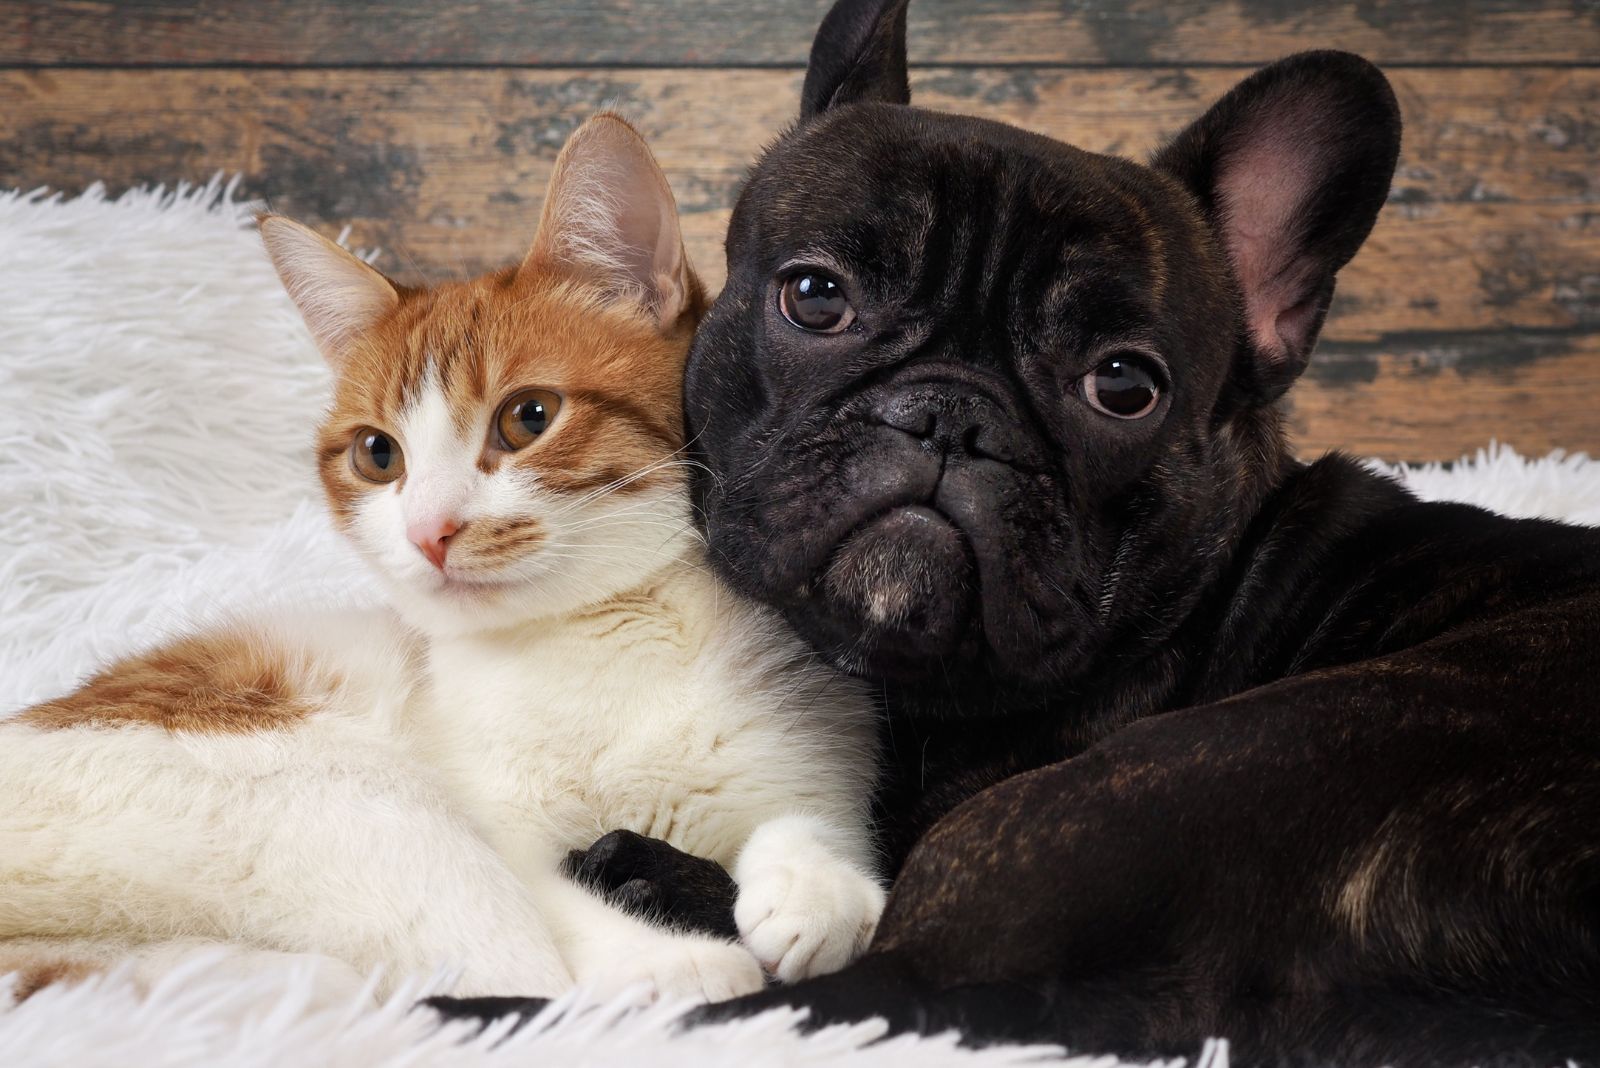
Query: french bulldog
1187	738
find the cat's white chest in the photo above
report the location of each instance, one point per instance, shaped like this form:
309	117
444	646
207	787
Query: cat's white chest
552	739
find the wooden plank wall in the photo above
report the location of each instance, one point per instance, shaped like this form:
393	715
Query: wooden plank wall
430	128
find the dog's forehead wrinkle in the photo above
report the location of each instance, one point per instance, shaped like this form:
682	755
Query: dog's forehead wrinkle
813	253
915	168
912	239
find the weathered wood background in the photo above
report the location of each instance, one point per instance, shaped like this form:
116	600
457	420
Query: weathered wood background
430	127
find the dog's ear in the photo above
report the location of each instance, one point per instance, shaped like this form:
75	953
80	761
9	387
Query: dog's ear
859	55
1292	167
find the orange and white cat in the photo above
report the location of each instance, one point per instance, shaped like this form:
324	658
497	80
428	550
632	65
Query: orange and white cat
397	789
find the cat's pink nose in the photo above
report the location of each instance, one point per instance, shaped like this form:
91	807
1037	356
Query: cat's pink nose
433	538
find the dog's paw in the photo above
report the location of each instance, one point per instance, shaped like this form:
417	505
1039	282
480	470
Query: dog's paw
682	968
803	918
648	878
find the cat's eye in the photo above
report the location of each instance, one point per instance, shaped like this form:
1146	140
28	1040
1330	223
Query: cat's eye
1125	386
376	456
813	301
525	416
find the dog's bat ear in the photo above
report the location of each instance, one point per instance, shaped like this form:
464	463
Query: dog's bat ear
859	55
1292	167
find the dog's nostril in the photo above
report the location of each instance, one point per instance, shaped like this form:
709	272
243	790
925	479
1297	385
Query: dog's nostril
993	442
913	418
963	425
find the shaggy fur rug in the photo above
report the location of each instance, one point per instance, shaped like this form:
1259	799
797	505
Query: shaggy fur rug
155	473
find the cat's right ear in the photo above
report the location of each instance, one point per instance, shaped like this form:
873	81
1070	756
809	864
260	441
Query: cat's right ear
338	295
609	218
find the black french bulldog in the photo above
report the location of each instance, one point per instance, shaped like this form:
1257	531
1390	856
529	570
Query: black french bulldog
1188	739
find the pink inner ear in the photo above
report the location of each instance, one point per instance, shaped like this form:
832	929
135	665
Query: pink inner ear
1262	191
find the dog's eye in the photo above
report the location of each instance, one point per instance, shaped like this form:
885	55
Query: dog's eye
376	456
1126	386
813	301
525	416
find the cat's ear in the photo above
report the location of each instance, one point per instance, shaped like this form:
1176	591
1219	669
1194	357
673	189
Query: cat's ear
609	218
859	55
339	296
1291	167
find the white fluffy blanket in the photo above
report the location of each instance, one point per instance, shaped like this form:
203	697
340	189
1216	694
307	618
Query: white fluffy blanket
157	395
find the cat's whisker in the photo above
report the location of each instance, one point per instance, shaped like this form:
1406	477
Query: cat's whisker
625	516
672	460
602	546
622	528
673	531
603	559
599	592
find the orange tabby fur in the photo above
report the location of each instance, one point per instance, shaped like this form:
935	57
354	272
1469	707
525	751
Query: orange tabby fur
219	683
620	376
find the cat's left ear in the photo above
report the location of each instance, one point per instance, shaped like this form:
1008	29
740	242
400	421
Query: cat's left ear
610	219
338	295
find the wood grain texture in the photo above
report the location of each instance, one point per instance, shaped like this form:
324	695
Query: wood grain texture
1471	314
1441	396
736	32
1491	223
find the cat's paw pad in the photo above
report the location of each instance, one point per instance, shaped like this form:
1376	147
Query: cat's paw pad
805	920
680	969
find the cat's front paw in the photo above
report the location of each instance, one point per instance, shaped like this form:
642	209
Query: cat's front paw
679	968
802	918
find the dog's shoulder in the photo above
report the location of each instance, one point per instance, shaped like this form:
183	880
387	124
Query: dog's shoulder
1345	564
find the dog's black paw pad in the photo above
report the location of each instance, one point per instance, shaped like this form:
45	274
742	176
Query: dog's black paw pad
639	896
615	859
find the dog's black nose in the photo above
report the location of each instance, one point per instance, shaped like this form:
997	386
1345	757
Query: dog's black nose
951	420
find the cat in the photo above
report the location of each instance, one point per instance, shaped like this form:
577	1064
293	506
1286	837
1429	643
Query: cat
395	790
